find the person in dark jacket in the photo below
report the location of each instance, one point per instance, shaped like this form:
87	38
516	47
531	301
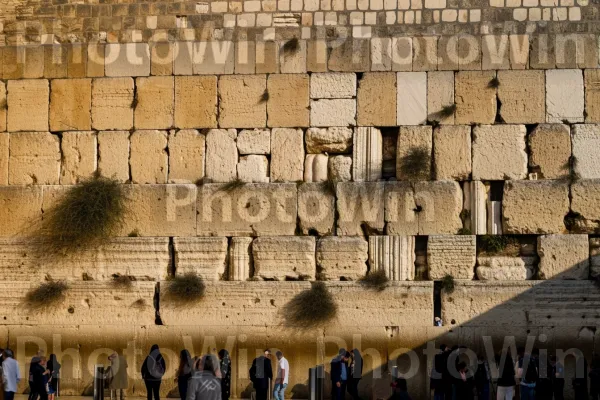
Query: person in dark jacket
33	395
355	367
558	378
400	390
506	377
54	368
580	384
40	377
595	378
482	378
184	373
339	374
153	369
225	365
204	384
465	385
260	374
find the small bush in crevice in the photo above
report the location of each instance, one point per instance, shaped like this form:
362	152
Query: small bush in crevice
134	102
416	165
233	185
310	308
184	289
134	233
571	176
123	281
291	46
3	105
46	295
575	222
494	83
139	304
376	280
264	97
464	231
447	284
498	244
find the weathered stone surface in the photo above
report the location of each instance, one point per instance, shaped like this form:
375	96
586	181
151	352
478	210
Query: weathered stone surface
475	99
585	195
113	155
333	112
549	150
501	268
256	141
475	202
20	209
155	103
452	152
240	104
594	258
342	258
393	254
315	168
440	94
161	58
281	258
534	207
214	57
332	86
411	98
240	259
253	168
287	155
245	57
452	255
221	155
499	152
127	59
34	158
287	106
250	210
411	140
293	62
340	168
316	208
27	105
196	102
494	217
522	96
360	207
495	52
367	154
376	99
112	100
206	257
3	107
564	95
328	140
267	57
351	55
79	156
149	160
586	145
4	155
186	156
592	95
564	256
70	104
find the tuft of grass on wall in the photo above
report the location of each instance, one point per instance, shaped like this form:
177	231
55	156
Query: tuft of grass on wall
264	97
375	280
233	185
494	83
46	295
447	284
499	245
184	289
310	308
291	46
123	281
416	164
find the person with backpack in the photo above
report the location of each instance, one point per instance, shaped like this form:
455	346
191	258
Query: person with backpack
528	374
153	369
482	378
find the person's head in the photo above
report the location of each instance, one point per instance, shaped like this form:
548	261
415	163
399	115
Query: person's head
443	347
208	364
8	353
184	357
342	353
154	349
111	357
346	356
267	353
43	361
223	354
279	355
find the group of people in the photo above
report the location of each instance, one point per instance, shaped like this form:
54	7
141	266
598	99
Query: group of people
43	378
346	373
261	375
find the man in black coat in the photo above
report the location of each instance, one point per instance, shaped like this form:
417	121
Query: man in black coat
339	375
261	374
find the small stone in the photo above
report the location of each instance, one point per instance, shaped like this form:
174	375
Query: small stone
253	168
149	158
499	152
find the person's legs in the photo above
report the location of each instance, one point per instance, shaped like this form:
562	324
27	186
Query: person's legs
276	391
156	390
148	390
261	394
9	395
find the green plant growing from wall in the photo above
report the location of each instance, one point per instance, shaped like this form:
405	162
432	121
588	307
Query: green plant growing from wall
123	281
375	280
571	176
310	308
494	83
416	164
264	97
498	244
447	284
464	231
184	289
45	295
291	46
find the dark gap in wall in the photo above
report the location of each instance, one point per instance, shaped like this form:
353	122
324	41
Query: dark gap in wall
390	141
421	270
156	300
496	190
437	300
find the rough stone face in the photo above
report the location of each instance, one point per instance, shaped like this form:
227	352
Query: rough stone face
213	57
34	158
253	168
195	102
367	154
592	95
340	168
410	140
342	258
27	105
278	258
534	207
440	94
522	94
186	156
564	257
112	101
287	106
70	104
499	268
452	152
564	95
585	197
240	104
3	107
411	98
586	145
221	155
4	154
149	158
287	155
206	257
332	86
20	207
360	207
550	149
155	104
351	55
316	208
113	155
333	112
257	141
499	152
293	62
240	259
594	258
127	59
475	99
328	140
79	155
452	255
475	201
376	99
393	254
315	168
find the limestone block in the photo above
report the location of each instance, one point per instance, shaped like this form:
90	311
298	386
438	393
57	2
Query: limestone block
204	256
586	147
495	52
245	57
452	152
549	150
411	98
253	168
499	152
3	107
95	59
161	58
267	57
256	141
475	99
592	95
500	268
240	104
424	52
440	94
281	258
293	62
254	209
155	104
564	95
402	53
287	155
221	155
333	112
240	258
186	156
34	158
340	168
452	255
316	208
20	208
342	258
367	154
410	140
215	57
196	102
70	104
475	197
127	59
113	155
4	154
350	55
585	197
594	258
376	99
332	85
328	140
315	168
287	106
521	94
564	256
534	207
359	207
149	159
112	100
393	254
27	105
79	156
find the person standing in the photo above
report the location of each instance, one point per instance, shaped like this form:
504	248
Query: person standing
153	369
339	374
528	374
356	366
204	383
595	378
260	374
282	379
54	368
482	378
465	386
33	365
558	381
118	380
40	378
225	366
506	378
10	375
184	373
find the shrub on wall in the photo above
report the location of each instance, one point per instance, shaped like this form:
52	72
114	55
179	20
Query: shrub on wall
376	280
46	295
499	245
416	165
184	289
448	284
310	308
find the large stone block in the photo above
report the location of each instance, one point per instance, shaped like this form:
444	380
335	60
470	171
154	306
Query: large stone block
203	256
70	105
342	258
253	209
28	105
253	168
196	102
155	103
360	208
112	101
351	55
293	62
332	85
34	158
376	99
113	155
367	154
411	100
586	147
333	112
287	155
393	254
240	104
549	150
186	156
288	106
413	142
452	255
340	169
585	195
501	268
257	141
240	259
281	258
79	156
564	95
328	140
564	257
534	207
499	152
592	95
440	94
20	209
475	98
3	107
221	155
4	155
522	96
316	208
215	57
149	160
127	59
452	152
